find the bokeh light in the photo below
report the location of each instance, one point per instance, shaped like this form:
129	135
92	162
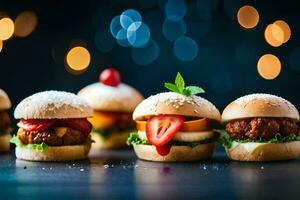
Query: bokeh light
25	23
115	26
78	59
173	29
285	28
145	55
128	17
185	49
248	17
6	28
274	35
140	36
122	38
205	9
294	60
104	41
268	66
1	45
175	10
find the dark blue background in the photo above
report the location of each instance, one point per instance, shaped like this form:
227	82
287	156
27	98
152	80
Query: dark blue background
36	63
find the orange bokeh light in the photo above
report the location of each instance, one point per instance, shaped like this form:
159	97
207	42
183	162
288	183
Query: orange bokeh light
269	66
6	28
78	59
248	17
25	23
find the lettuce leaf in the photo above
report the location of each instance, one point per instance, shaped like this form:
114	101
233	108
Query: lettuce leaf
38	147
227	141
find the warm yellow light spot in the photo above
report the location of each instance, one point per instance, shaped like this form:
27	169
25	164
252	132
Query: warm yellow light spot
6	28
274	35
78	59
1	45
248	17
25	23
269	66
285	28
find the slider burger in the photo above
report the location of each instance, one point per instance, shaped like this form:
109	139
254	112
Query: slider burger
5	124
261	127
113	103
175	126
53	127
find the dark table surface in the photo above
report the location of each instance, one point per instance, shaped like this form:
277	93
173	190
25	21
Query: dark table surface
119	175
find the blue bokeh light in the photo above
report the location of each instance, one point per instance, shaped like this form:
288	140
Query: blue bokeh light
145	55
115	26
122	38
128	17
175	10
185	49
138	34
173	29
294	60
104	41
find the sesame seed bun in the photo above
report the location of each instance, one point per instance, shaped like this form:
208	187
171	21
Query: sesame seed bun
113	141
122	98
177	153
259	105
54	153
53	105
176	104
4	100
264	151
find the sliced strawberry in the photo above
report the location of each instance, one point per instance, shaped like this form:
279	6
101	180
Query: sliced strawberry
163	150
36	124
161	129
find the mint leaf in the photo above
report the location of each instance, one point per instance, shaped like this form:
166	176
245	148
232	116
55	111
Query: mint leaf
179	87
194	90
179	82
171	87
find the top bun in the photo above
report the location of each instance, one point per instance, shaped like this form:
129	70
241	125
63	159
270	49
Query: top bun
172	103
122	98
53	105
4	100
260	105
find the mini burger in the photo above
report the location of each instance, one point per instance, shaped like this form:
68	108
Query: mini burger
113	103
53	127
261	127
5	124
175	126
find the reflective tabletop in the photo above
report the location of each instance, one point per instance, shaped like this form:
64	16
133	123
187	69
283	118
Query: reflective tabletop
119	175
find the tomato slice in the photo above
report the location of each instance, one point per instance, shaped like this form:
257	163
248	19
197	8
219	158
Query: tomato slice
162	128
82	125
36	124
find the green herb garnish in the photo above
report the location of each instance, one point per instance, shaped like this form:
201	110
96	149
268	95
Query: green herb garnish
38	147
179	87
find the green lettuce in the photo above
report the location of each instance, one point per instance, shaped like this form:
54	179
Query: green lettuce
135	139
38	147
227	141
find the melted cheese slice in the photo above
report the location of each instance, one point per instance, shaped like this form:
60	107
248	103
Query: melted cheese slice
249	146
186	136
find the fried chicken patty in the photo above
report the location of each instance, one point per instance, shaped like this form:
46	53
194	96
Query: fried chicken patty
53	137
261	127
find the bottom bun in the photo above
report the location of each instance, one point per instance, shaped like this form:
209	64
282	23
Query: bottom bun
57	153
264	151
177	153
5	142
113	141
